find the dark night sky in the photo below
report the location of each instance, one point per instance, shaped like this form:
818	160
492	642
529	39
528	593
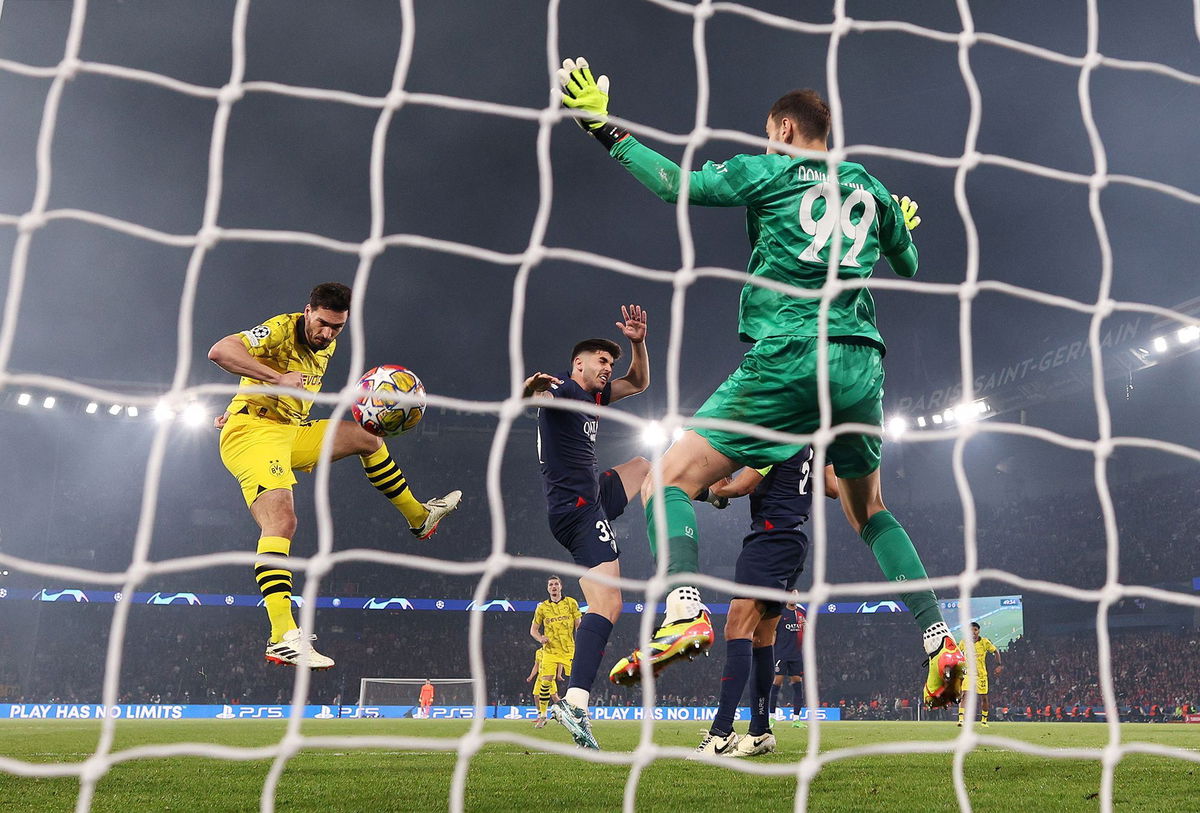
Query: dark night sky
102	306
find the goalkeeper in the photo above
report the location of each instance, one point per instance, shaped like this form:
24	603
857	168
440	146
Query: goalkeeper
794	209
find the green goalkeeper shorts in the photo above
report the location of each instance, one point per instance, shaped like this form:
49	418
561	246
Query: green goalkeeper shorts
775	387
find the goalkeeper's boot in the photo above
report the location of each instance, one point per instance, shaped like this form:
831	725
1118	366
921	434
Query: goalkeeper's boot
714	745
677	639
294	649
438	508
753	745
943	685
575	720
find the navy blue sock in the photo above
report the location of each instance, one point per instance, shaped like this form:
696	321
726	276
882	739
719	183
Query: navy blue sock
798	698
760	689
738	658
590	640
775	697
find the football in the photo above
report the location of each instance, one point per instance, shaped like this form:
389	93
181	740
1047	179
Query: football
376	409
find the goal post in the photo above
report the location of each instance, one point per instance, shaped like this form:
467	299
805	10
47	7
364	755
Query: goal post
402	691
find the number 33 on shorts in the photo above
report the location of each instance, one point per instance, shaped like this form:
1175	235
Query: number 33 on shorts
605	533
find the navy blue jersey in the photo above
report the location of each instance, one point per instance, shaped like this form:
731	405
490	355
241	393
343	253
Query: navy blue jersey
567	447
789	634
783	499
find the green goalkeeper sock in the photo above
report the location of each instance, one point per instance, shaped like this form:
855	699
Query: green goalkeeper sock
683	549
899	561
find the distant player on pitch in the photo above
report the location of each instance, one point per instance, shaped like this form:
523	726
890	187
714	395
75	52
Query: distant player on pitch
794	208
426	699
789	662
264	436
554	624
981	647
544	693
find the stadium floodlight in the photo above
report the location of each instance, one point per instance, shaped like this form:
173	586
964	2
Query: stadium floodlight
937	418
654	435
48	403
1188	334
966	412
131	411
1160	344
24	399
982	407
163	411
921	422
949	415
194	414
91	408
897	426
115	409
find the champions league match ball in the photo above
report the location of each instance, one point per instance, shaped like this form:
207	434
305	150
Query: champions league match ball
375	410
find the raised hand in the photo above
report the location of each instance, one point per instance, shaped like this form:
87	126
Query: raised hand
583	92
908	208
634	326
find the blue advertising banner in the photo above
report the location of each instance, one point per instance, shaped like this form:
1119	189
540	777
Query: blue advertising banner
75	595
153	711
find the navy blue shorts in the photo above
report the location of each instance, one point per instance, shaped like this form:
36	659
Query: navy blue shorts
771	559
790	666
586	530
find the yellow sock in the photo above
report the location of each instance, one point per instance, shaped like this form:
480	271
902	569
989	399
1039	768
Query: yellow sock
542	690
962	713
983	716
276	586
386	476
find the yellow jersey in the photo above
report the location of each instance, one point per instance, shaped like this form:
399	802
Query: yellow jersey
982	647
279	343
558	625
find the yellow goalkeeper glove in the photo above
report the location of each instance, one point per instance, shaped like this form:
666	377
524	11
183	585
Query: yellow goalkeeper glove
581	91
908	208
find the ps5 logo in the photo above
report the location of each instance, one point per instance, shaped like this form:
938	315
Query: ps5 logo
172	598
496	604
388	603
61	595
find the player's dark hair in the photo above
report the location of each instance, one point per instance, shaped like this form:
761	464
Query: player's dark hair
553	579
330	295
807	110
597	346
974	625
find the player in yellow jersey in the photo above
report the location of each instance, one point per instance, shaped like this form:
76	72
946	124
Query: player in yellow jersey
545	692
558	617
264	436
981	648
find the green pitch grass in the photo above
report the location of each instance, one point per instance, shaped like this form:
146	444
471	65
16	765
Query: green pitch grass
507	776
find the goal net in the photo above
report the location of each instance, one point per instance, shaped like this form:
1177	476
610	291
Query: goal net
171	178
383	691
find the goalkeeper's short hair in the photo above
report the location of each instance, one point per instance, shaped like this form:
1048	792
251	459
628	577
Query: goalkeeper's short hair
807	110
597	346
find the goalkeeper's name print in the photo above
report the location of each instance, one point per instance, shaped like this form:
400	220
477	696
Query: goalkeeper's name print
810	175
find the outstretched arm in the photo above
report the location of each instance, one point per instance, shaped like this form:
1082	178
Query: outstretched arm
232	356
710	186
904	260
538	386
638	377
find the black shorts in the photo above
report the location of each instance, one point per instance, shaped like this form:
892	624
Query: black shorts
771	559
586	531
790	666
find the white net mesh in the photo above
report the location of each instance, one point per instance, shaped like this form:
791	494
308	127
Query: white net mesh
29	224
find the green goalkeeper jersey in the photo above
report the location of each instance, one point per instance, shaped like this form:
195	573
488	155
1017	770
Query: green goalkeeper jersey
790	225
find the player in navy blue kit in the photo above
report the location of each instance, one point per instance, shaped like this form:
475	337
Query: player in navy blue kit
772	555
789	662
582	502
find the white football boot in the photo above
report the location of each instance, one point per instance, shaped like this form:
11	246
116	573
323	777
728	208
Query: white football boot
294	649
438	508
